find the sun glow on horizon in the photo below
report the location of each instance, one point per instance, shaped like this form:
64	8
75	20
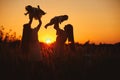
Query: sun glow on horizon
48	41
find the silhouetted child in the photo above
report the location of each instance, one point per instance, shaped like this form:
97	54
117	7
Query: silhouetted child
34	13
57	19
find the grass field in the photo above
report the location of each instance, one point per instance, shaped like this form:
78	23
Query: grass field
89	61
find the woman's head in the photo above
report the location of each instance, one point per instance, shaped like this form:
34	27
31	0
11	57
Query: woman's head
68	27
69	31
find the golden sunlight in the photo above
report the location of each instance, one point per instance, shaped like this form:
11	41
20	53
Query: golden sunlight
48	41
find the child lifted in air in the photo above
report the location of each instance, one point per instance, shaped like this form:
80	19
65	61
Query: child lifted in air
57	19
34	13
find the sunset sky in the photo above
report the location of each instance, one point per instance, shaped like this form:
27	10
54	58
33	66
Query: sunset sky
94	20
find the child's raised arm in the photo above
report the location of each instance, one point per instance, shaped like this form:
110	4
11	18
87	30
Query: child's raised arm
26	13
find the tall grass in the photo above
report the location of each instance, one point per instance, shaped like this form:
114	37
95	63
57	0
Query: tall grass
89	61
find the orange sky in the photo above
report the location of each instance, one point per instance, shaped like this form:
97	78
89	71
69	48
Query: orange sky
94	20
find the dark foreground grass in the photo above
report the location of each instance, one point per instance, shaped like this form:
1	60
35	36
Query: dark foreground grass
90	61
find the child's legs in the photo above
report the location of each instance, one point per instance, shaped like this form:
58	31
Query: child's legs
47	25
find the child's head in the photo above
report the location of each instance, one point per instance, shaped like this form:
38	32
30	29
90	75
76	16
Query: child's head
60	19
63	18
57	20
28	8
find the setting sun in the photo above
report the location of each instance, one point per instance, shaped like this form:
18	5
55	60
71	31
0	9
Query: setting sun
48	41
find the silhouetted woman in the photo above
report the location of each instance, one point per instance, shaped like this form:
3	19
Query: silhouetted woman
60	40
62	36
30	44
26	36
69	31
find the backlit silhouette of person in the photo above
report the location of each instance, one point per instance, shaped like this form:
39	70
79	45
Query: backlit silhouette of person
30	44
59	19
27	31
69	31
60	40
34	13
62	36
